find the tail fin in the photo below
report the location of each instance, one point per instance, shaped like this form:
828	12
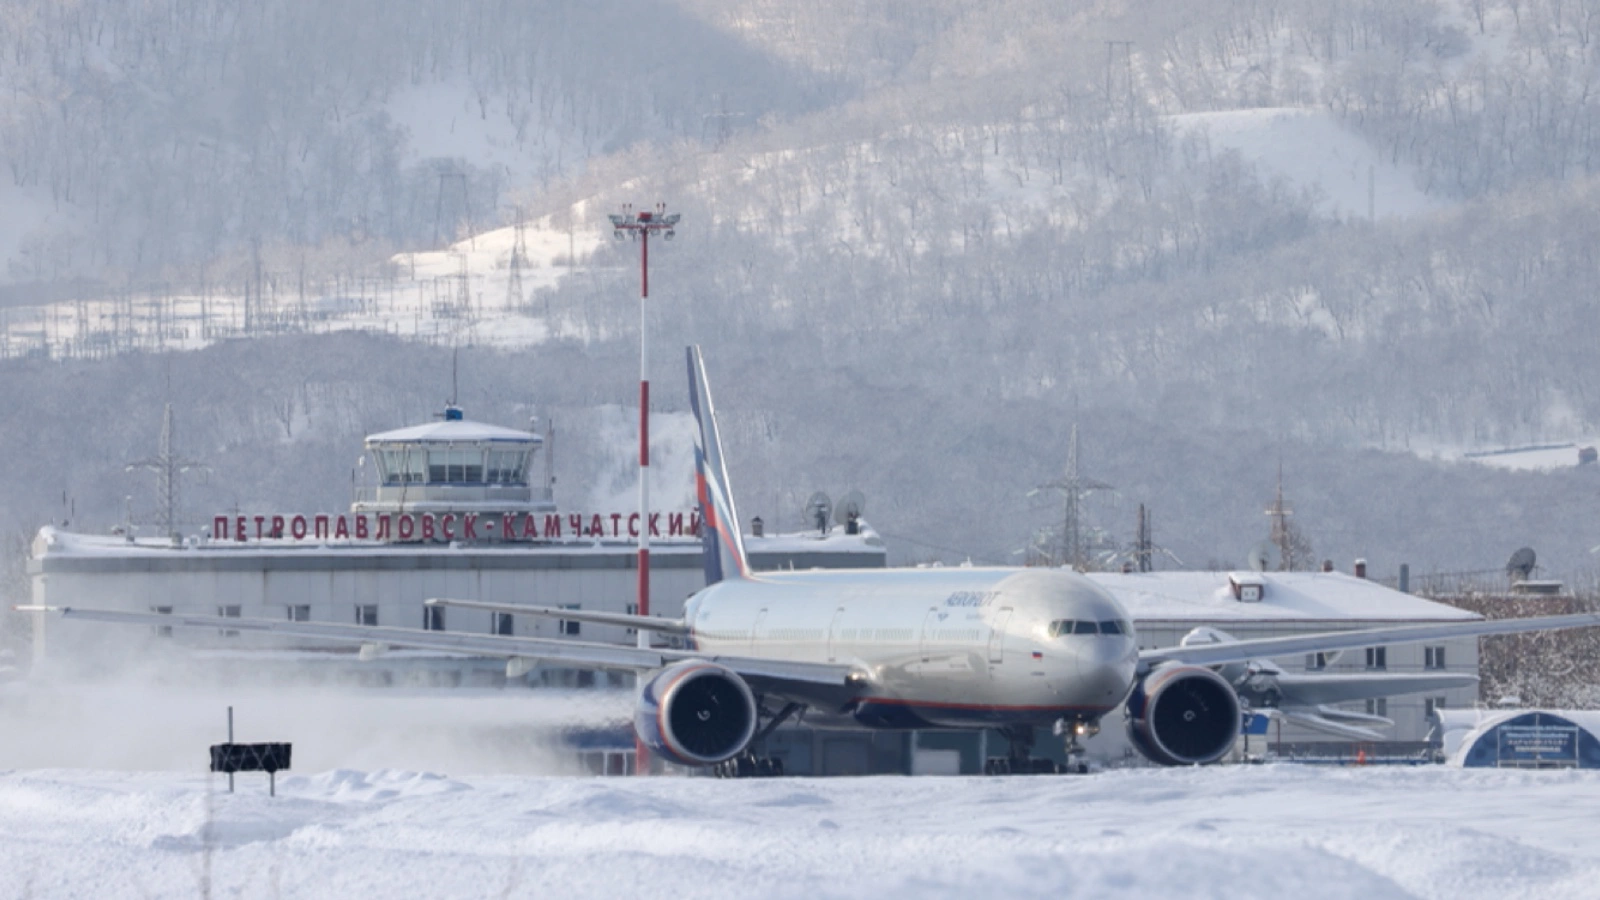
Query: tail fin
719	521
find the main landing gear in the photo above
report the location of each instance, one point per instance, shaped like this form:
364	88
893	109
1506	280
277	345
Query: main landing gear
1020	761
750	764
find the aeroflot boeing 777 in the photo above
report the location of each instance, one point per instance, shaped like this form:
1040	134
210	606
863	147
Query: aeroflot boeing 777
1013	649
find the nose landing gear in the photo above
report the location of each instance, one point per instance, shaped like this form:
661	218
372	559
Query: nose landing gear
1020	761
1072	730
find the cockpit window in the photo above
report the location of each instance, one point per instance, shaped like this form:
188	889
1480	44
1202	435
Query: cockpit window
1083	626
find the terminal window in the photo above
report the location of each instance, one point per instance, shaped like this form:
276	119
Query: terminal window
567	626
229	612
1432	705
300	613
367	614
1377	657
1433	657
162	630
433	618
1316	662
502	623
1378	706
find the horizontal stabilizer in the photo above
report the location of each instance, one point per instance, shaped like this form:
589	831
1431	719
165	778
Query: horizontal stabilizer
1317	722
1354	718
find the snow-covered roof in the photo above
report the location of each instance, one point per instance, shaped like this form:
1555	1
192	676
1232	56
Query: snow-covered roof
56	542
453	430
1290	596
802	541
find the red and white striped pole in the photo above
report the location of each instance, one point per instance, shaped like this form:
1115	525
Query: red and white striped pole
644	432
640	225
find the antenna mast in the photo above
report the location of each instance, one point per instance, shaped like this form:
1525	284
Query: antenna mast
640	225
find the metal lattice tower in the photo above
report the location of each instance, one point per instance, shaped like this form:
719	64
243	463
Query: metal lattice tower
1074	487
519	260
1143	545
1282	531
168	466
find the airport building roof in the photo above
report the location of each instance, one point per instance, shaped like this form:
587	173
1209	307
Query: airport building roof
453	431
1286	596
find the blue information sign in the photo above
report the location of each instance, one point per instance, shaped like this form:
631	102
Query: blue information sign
1523	744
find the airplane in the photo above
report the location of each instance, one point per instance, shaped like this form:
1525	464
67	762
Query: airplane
1305	699
1016	650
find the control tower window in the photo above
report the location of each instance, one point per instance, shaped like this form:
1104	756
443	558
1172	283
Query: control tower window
455	466
506	466
400	466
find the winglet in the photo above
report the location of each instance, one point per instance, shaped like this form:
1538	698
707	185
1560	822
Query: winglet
719	521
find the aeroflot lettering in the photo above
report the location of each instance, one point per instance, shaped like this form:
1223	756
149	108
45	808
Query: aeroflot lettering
971	598
446	527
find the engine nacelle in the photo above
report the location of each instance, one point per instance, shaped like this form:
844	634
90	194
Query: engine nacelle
695	713
1183	716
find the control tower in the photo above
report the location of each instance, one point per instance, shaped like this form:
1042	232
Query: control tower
455	466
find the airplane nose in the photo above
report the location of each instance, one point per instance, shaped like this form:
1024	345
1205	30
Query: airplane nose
1107	669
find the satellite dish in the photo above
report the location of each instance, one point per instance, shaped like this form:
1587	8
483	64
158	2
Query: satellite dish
849	511
817	510
1521	563
1265	557
851	506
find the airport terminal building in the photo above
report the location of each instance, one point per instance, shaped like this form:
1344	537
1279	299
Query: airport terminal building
457	510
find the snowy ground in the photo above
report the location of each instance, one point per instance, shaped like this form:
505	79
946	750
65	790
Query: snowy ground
103	794
1272	831
1311	150
1531	458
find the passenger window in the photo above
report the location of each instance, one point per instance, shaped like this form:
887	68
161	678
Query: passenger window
1084	626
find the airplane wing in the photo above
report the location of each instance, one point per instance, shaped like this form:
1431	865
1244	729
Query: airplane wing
771	674
1260	648
1318	689
643	623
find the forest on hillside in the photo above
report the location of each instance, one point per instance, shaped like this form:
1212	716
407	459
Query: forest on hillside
921	241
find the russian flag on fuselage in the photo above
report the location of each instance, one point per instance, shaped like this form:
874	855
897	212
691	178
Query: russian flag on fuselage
719	521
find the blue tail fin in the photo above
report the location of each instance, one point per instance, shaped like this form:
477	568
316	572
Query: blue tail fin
719	521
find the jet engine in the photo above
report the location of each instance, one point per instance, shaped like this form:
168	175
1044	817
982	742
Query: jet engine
1183	716
695	713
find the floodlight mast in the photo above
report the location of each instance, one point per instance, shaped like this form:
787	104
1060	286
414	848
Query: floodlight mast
640	225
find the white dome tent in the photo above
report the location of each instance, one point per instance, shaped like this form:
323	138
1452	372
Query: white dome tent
1521	738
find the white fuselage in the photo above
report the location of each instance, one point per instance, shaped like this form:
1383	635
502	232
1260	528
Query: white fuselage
940	647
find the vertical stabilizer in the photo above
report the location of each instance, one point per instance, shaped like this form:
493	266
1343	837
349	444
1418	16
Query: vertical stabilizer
719	521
